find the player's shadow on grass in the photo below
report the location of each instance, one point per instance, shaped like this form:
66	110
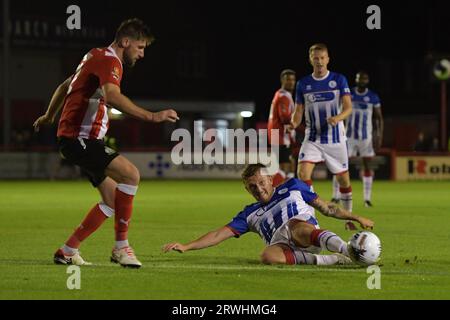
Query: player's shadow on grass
189	260
199	260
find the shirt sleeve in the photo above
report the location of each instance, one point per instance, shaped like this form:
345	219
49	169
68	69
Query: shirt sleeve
299	94
305	190
377	102
239	224
308	196
343	86
109	71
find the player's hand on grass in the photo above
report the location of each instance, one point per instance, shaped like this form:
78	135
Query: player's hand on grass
365	223
42	120
333	121
166	115
175	247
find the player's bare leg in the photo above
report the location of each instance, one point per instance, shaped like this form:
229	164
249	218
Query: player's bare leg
367	178
286	167
127	177
69	253
305	170
292	162
283	254
107	191
345	189
275	254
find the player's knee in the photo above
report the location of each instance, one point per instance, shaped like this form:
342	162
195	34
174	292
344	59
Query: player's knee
300	233
131	175
266	258
269	257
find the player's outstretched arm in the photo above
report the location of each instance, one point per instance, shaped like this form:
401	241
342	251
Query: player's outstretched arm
54	106
297	116
209	239
330	209
115	98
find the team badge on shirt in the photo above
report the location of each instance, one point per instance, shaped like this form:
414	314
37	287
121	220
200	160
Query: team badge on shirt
311	97
332	84
115	73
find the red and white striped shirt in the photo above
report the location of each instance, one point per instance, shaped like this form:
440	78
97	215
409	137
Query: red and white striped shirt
280	116
85	113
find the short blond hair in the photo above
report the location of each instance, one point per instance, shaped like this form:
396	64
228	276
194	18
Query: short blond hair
251	170
318	46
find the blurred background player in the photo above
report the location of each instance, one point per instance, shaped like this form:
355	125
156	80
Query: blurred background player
325	99
280	117
85	97
362	136
285	221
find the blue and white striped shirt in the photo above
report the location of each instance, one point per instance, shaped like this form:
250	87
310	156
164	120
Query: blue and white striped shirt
289	199
322	100
359	124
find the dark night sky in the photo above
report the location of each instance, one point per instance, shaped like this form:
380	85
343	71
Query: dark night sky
241	47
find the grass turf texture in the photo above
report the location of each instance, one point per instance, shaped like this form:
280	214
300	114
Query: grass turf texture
37	217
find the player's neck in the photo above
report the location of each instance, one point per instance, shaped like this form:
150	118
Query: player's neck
361	90
283	88
319	74
118	50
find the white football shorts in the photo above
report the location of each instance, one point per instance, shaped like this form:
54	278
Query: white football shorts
283	235
335	155
361	148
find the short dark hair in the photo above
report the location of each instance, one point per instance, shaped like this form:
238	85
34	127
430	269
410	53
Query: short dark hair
250	170
362	72
318	46
134	28
287	72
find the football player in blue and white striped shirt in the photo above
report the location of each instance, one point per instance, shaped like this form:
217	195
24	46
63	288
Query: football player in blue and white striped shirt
284	218
324	97
361	141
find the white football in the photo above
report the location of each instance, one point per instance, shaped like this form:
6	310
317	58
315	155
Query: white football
364	248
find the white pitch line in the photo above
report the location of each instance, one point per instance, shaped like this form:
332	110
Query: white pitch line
225	267
271	269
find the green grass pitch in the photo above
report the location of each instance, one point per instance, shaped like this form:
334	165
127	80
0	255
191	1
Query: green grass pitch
412	221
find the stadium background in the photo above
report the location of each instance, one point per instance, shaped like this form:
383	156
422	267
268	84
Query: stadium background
231	52
211	61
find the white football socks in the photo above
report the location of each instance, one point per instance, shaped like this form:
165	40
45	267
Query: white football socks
367	185
332	242
122	244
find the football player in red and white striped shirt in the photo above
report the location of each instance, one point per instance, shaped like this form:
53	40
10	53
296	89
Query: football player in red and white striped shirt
279	118
85	97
